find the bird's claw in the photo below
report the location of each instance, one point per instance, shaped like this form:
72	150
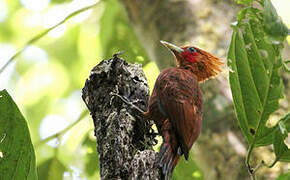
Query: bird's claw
126	101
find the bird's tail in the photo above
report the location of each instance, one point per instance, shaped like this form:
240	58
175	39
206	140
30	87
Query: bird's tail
169	156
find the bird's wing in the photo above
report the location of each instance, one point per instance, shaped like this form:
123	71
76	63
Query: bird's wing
181	100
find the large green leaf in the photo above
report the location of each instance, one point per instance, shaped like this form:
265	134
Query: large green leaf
17	159
51	169
255	81
117	34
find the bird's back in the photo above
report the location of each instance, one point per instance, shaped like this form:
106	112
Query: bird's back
176	107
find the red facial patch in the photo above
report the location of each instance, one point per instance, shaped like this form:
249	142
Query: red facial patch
189	56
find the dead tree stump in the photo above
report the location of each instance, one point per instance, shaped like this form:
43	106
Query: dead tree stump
124	137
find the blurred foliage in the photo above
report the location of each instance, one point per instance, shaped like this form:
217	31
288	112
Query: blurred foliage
255	60
59	1
273	24
51	169
285	176
91	158
245	2
187	170
117	35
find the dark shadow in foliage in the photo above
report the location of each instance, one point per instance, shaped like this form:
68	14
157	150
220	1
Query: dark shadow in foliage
51	169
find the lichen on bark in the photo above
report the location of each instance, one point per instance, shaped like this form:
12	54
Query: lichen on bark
124	137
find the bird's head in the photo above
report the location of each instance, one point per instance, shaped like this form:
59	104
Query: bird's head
203	64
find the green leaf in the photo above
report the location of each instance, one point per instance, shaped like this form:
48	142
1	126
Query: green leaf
281	150
51	169
254	78
117	35
286	121
17	157
273	24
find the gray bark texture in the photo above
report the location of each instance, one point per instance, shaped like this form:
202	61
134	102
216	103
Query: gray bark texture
124	138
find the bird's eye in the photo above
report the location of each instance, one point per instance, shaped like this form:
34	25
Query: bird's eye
191	49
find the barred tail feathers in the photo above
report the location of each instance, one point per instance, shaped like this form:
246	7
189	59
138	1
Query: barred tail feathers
169	156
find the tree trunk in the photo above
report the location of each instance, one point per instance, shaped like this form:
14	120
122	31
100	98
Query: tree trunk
124	138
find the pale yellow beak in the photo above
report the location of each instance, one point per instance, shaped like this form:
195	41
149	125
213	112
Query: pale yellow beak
175	49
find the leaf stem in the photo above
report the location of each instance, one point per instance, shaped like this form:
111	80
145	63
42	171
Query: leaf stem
250	169
83	114
248	157
43	33
273	163
262	163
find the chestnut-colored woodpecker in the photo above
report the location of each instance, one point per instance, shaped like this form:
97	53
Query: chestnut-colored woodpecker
176	102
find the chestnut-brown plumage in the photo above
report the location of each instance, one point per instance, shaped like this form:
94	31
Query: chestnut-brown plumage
176	102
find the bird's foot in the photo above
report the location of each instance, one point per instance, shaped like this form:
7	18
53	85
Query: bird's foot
125	100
